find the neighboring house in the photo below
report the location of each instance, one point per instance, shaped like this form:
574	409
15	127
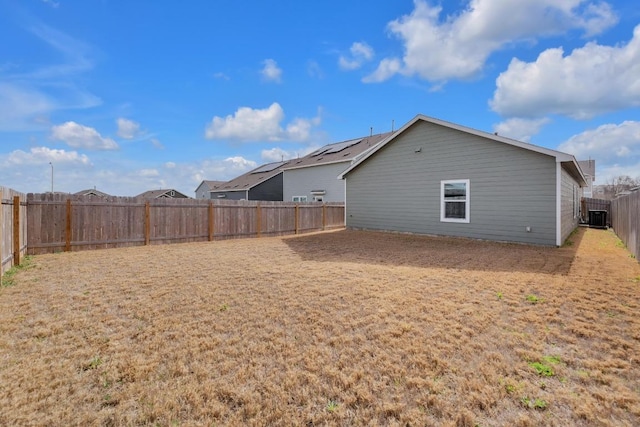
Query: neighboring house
589	171
440	178
205	187
313	178
91	192
163	194
262	183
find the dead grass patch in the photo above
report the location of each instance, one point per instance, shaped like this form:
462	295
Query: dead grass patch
341	328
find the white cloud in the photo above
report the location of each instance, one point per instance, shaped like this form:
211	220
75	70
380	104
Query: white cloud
147	173
360	53
21	106
156	143
30	172
79	136
276	154
520	129
127	129
314	70
42	156
249	124
386	69
457	47
591	80
271	72
609	144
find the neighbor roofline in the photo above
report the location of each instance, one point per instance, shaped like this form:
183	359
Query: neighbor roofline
319	164
250	186
558	155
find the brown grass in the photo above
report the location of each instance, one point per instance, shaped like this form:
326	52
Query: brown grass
341	328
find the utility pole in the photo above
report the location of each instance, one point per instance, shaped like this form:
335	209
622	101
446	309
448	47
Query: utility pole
51	177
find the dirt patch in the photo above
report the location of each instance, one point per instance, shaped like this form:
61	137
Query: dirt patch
341	328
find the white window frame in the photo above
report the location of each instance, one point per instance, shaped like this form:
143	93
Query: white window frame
467	201
318	198
299	199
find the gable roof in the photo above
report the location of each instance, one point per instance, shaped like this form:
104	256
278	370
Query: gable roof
588	168
566	159
337	152
252	178
158	194
91	192
210	185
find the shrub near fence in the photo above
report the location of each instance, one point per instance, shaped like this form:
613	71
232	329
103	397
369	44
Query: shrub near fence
625	220
13	229
61	222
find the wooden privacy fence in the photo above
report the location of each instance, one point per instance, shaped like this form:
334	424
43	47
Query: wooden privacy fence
61	222
13	228
625	220
589	204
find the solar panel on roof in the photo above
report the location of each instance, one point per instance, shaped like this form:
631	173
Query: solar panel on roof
320	151
268	167
334	148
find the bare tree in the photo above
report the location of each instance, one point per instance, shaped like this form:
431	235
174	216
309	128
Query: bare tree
620	183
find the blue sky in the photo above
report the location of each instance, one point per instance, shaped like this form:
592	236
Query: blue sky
129	96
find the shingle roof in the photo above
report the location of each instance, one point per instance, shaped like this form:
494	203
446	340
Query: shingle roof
588	167
212	184
156	194
91	192
344	151
252	178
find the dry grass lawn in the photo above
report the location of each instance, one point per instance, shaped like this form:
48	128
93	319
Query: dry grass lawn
340	328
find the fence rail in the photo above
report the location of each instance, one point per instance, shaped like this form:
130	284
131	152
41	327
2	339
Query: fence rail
625	220
60	222
13	228
589	204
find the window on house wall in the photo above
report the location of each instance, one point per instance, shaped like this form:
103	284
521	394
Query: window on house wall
454	200
318	198
299	198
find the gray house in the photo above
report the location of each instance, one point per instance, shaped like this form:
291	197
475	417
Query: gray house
440	178
313	178
262	183
205	187
589	171
163	194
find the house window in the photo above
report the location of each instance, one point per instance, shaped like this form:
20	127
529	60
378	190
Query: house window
454	200
318	198
299	198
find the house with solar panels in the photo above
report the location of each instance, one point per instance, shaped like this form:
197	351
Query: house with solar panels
313	178
261	183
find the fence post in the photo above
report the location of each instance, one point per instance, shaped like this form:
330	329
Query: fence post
259	219
67	231
211	223
297	221
16	230
147	223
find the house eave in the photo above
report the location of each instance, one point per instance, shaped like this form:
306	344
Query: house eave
558	155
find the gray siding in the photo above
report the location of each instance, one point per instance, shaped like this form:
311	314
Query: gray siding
510	188
300	182
230	195
271	189
570	191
